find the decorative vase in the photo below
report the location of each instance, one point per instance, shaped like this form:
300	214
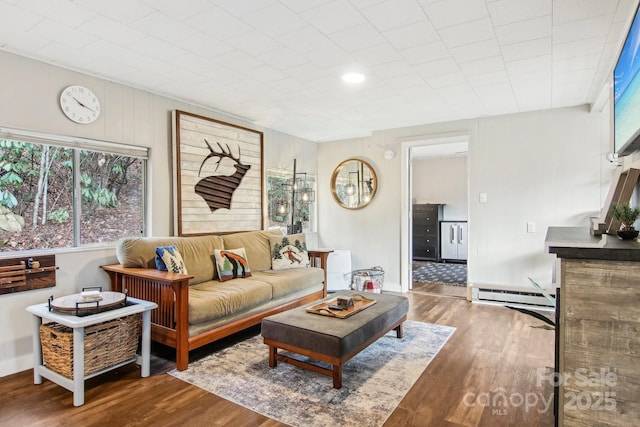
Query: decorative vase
628	234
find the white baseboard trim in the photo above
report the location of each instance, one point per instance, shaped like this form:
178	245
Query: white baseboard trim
13	366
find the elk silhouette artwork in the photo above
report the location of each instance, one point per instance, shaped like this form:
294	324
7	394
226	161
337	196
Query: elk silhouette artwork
217	190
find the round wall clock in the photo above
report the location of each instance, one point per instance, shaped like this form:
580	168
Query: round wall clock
80	104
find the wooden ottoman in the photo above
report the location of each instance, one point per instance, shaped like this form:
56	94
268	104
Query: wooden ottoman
329	339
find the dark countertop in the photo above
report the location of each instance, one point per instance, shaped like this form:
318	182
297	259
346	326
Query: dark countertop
578	243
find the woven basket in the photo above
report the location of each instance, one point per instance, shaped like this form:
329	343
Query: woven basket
105	344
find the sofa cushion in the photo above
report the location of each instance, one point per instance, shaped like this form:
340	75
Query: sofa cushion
213	299
168	258
289	252
196	251
231	264
288	281
256	243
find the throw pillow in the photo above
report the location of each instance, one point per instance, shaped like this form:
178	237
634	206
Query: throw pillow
168	258
289	252
231	263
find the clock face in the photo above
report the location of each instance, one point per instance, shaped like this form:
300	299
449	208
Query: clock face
80	104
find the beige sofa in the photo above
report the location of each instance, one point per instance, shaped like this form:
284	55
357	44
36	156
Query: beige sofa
195	309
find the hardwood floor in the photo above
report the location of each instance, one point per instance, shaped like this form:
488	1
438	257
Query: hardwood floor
494	350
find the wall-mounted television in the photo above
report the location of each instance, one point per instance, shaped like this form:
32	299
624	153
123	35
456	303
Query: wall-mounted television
626	93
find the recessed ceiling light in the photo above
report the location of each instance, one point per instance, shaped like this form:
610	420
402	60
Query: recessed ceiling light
353	77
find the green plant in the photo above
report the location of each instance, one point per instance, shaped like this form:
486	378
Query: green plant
535	314
626	215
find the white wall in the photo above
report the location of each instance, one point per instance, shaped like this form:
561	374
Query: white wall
547	167
30	91
442	180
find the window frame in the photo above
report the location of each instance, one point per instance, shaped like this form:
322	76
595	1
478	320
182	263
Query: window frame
77	144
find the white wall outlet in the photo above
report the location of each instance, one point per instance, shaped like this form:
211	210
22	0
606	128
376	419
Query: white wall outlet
483	197
531	227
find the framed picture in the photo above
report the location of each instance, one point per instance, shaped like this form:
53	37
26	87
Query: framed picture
217	176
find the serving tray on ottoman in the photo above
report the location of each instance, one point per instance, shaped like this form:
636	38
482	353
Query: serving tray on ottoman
360	302
330	339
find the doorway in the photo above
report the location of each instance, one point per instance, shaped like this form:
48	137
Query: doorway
435	202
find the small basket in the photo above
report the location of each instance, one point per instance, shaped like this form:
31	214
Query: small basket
105	344
368	280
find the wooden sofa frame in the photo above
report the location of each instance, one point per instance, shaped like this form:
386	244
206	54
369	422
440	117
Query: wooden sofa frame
170	321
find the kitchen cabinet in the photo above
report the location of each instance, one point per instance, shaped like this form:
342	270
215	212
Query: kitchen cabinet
453	240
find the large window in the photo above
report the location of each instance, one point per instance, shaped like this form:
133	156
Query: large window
57	196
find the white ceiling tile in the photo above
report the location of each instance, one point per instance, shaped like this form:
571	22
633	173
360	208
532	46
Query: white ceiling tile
238	61
62	34
436	68
62	11
426	53
123	11
282	59
185	77
253	43
152	66
110	68
445	80
575	10
526	49
274	20
299	6
482	66
179	10
402	82
242	8
158	49
164	28
21	19
475	51
578	48
375	55
394	14
412	35
357	37
576	63
26	43
305	40
110	51
467	33
204	45
532	29
218	24
494	78
509	11
584	75
329	57
447	13
332	17
54	52
578	30
108	29
391	69
266	74
529	65
306	72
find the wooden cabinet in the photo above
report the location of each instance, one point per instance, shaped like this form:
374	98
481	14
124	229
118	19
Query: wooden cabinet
598	330
453	240
426	232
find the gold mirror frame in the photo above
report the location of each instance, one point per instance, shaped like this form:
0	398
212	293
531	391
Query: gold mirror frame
354	184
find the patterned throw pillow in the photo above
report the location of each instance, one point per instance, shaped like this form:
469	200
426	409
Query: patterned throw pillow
289	252
231	263
168	258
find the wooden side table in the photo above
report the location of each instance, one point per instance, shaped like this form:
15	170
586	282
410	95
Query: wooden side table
76	385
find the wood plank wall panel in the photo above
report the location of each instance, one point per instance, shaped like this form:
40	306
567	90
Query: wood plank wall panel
35	278
600	343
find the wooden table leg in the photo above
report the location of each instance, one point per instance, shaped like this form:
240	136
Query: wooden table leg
273	351
399	331
337	376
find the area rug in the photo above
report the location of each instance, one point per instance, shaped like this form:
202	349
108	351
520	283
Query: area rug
374	381
436	272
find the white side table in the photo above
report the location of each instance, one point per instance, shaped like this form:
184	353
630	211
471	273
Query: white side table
76	385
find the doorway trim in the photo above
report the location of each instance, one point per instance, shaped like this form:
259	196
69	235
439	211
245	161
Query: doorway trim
406	144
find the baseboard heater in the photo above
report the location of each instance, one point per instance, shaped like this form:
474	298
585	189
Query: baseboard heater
524	298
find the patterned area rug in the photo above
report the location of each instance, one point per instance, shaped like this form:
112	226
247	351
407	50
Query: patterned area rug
374	381
436	272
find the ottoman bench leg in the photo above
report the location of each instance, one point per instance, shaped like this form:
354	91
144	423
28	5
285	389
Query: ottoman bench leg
337	376
273	353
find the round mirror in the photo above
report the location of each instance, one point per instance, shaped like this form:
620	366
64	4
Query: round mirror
353	184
